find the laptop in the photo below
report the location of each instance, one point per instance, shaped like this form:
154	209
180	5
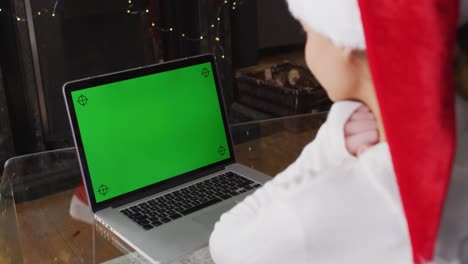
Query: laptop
156	154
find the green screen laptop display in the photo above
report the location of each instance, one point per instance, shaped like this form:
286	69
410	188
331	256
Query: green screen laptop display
141	131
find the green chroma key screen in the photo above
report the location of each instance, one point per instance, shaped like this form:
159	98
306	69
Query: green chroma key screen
141	131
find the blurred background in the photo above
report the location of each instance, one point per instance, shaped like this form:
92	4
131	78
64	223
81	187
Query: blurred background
257	44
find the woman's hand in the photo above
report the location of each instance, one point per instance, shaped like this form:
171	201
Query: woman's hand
361	131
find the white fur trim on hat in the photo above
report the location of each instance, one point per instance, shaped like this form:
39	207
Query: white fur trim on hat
340	20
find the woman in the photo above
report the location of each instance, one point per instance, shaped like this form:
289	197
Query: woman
384	205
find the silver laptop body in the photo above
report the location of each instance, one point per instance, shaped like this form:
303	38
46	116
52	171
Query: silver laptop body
100	113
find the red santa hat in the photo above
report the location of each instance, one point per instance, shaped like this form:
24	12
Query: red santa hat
410	49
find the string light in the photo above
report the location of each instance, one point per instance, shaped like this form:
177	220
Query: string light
214	28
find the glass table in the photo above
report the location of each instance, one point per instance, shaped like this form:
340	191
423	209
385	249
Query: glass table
36	190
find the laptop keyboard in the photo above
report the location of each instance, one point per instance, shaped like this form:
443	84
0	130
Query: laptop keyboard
171	206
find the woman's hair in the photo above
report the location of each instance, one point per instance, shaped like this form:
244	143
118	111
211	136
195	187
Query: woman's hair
461	62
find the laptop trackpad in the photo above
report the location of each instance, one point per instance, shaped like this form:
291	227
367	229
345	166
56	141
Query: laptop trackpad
209	218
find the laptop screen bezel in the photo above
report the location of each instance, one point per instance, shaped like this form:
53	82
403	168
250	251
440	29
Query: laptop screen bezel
137	194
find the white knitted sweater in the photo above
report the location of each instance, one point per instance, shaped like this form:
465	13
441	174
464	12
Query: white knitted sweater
326	207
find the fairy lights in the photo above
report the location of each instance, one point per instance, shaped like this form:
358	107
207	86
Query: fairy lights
212	32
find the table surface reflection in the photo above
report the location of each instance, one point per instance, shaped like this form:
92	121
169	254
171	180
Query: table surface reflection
36	190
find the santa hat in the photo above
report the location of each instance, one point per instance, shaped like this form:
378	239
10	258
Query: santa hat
410	47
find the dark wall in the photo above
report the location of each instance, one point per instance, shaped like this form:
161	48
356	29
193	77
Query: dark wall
6	140
18	74
276	26
262	25
244	35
